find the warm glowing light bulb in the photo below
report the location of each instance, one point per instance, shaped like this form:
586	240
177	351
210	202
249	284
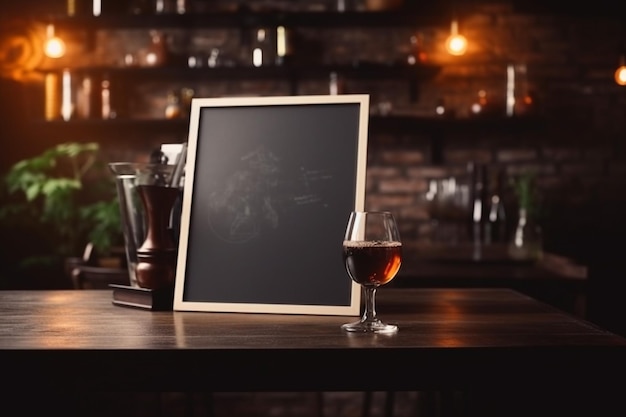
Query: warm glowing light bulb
54	46
620	75
456	44
281	41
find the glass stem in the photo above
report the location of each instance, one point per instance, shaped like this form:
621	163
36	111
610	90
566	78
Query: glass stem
369	314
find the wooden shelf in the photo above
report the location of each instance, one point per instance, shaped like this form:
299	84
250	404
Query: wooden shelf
435	125
404	129
392	124
356	71
113	129
407	127
252	19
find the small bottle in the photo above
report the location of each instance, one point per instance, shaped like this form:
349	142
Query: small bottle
67	95
160	6
96	8
284	47
181	6
479	204
336	84
257	51
157	51
440	108
84	98
262	53
527	239
52	108
71	7
105	7
214	56
105	94
186	96
496	227
479	107
333	86
416	54
173	108
523	105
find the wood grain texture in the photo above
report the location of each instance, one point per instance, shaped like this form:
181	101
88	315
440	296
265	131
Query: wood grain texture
448	339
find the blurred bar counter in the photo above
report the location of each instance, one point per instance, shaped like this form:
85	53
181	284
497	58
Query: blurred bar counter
550	278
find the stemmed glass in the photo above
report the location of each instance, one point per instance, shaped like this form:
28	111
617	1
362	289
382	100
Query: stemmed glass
372	254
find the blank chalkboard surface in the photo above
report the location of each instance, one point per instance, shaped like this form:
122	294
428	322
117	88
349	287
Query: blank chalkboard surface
269	185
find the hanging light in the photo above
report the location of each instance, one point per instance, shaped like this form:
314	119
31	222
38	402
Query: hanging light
456	44
54	46
620	72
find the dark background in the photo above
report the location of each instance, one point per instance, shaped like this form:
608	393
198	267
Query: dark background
575	140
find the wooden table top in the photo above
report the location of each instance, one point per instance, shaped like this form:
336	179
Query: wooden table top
448	338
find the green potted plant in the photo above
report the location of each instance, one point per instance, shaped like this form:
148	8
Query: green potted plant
60	200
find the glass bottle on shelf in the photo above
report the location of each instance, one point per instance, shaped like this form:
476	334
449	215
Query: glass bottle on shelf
103	7
523	93
337	84
495	223
52	106
262	52
162	6
105	93
181	6
186	95
284	45
214	57
71	7
440	108
87	102
78	7
479	106
479	204
173	107
67	95
106	106
96	7
527	241
416	53
157	51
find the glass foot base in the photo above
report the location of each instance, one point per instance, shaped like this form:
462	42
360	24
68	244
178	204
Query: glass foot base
374	326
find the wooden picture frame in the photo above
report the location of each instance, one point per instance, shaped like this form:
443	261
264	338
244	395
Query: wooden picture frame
269	185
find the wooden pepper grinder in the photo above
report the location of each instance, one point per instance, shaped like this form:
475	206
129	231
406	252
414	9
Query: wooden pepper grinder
156	266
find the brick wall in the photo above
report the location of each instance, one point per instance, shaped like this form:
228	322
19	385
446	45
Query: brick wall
576	150
575	144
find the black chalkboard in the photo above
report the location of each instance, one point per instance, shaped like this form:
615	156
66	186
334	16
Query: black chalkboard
269	185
